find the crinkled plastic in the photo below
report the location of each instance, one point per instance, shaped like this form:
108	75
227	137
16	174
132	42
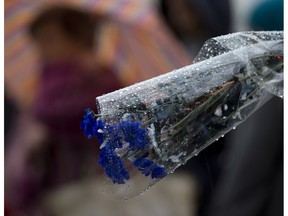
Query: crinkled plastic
171	118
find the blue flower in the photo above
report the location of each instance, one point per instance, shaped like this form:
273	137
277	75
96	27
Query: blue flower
144	165
88	123
148	167
99	126
134	135
114	136
158	172
113	166
90	126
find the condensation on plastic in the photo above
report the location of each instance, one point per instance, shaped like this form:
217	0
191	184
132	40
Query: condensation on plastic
191	107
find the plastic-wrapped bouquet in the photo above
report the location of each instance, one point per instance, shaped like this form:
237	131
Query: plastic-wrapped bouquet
149	129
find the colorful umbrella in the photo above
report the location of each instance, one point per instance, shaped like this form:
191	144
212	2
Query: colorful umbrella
134	41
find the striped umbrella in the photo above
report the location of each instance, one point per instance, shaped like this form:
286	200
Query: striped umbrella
134	41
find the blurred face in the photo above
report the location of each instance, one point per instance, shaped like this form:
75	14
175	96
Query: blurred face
183	17
54	45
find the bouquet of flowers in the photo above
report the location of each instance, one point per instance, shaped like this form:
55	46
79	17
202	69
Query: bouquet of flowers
149	129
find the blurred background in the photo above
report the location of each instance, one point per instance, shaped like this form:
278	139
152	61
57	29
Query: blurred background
60	55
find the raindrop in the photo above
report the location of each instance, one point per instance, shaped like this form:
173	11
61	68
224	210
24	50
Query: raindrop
218	112
174	159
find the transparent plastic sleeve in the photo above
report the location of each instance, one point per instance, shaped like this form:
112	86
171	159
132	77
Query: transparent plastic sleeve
149	129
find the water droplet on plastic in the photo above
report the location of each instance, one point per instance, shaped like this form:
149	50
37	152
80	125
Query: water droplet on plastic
174	159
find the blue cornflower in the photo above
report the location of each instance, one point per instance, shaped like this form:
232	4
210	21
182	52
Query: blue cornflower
113	166
88	123
144	165
90	126
158	172
98	130
114	136
134	135
148	167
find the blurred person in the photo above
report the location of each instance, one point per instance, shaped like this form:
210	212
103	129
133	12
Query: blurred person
59	153
195	21
71	75
251	183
